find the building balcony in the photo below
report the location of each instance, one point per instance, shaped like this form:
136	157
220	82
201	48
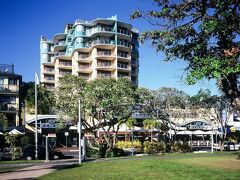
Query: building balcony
65	65
106	55
85	68
123	44
59	46
48	80
61	74
9	88
124	57
60	54
59	36
123	31
48	71
104	76
105	66
84	58
123	67
124	34
103	43
98	30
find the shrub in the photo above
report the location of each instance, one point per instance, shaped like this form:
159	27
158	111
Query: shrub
24	141
102	149
92	153
153	147
128	144
115	152
178	147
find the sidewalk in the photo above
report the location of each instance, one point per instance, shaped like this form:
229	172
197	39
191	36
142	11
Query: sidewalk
38	170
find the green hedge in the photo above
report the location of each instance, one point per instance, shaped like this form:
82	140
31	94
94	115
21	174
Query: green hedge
153	147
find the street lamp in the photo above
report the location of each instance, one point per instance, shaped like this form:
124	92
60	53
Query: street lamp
79	132
211	119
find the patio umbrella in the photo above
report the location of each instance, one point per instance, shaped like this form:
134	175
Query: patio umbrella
15	132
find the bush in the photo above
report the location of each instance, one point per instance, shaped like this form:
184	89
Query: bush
24	141
115	152
92	153
178	147
128	144
102	150
153	147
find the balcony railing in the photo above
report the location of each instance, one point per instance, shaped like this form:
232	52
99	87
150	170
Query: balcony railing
123	66
104	64
62	73
60	54
102	29
102	41
49	78
124	55
9	88
83	56
49	70
123	43
123	31
60	43
65	63
83	66
104	53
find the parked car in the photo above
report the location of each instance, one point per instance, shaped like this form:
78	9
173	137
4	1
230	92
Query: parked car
230	146
5	153
29	153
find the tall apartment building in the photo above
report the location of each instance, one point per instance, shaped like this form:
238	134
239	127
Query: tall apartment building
99	48
9	94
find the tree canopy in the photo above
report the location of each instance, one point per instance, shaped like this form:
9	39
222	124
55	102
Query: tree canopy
46	99
203	33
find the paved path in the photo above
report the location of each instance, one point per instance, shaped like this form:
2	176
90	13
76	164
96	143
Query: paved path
37	170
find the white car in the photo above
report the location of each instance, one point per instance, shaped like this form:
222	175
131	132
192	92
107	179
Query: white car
229	146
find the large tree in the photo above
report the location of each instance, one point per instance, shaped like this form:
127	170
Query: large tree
214	109
108	103
160	104
105	104
204	33
46	99
68	94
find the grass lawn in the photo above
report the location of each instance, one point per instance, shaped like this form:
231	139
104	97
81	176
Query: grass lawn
21	161
155	167
10	169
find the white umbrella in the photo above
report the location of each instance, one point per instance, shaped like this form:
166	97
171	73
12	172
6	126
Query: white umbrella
1	133
15	132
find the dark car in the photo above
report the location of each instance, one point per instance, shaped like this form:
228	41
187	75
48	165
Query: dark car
29	153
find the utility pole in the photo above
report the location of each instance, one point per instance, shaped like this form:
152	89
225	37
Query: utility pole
79	132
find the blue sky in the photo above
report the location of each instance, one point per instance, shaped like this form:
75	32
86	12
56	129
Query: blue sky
24	21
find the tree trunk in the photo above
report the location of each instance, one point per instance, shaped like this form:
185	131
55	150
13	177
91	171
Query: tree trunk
151	135
229	86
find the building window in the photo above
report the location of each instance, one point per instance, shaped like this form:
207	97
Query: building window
12	81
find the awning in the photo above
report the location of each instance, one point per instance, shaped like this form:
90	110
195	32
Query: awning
15	132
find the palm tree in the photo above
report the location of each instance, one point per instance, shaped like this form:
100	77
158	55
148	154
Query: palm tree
150	124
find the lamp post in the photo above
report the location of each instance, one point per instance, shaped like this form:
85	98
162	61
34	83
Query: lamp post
47	153
211	119
132	142
79	132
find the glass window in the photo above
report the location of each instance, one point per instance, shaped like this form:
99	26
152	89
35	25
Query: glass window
12	81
